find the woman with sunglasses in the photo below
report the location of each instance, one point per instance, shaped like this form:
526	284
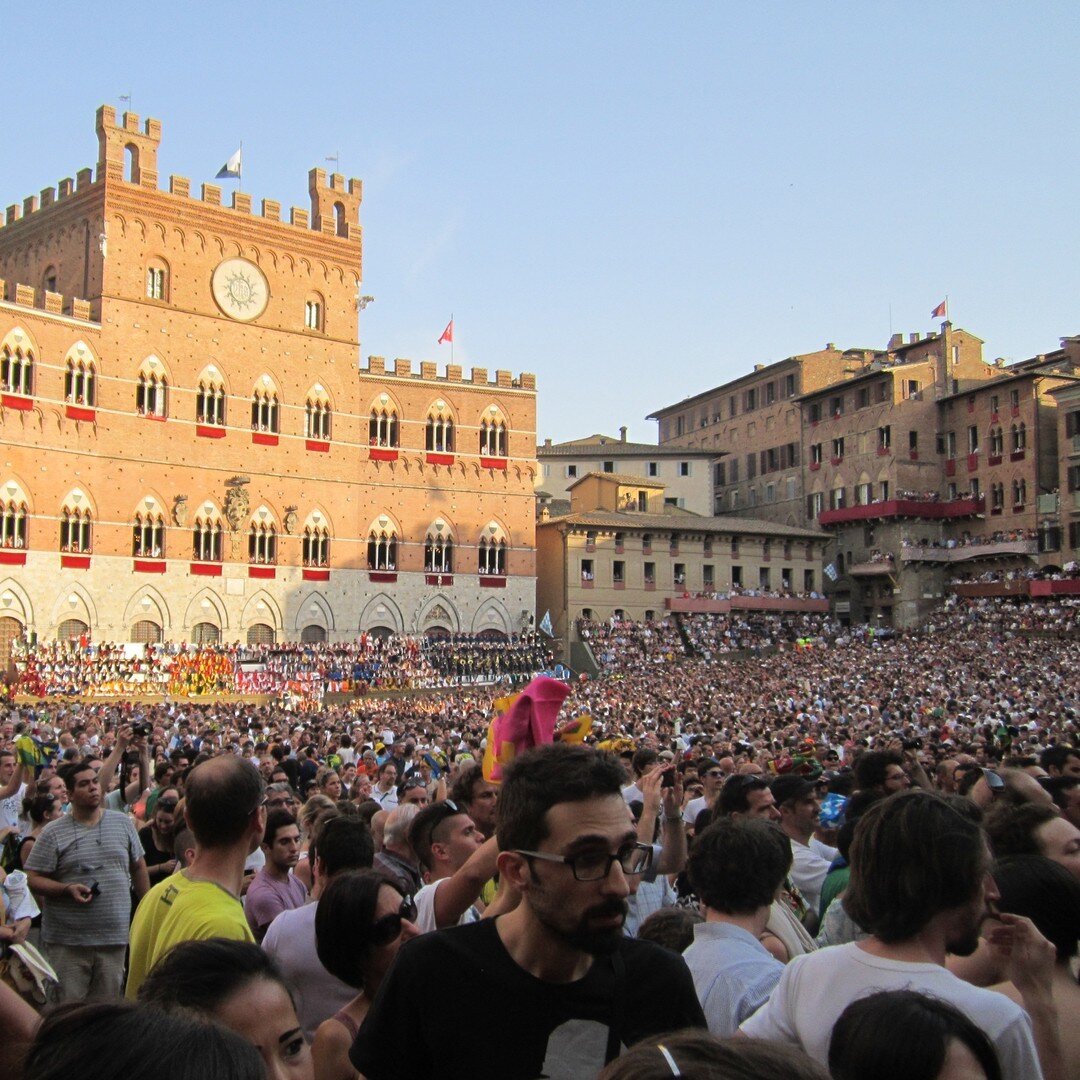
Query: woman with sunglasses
157	836
361	922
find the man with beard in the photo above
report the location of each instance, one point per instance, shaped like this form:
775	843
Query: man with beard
572	991
921	884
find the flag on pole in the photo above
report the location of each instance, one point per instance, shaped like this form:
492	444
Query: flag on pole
448	333
545	624
831	572
231	169
941	311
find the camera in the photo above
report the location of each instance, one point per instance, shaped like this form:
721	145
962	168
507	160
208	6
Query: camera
913	744
142	728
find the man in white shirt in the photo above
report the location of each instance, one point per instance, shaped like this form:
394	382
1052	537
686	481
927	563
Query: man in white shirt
642	761
796	798
458	863
921	884
385	791
712	778
12	790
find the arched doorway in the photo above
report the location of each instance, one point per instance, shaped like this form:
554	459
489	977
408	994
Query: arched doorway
10	631
146	632
490	634
313	634
260	634
205	633
71	630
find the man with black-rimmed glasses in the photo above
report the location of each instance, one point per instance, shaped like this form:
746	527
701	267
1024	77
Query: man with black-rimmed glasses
572	991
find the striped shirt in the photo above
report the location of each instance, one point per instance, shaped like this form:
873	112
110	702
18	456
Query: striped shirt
103	854
734	974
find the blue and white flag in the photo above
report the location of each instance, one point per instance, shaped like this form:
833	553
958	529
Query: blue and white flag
831	572
545	624
231	169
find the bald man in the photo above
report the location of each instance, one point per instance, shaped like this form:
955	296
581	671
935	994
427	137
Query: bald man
223	806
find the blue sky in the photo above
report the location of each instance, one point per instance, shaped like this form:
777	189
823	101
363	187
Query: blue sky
634	201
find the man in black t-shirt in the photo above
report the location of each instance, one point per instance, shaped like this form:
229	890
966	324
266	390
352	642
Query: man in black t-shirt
562	990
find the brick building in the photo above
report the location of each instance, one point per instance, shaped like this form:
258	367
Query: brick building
755	422
192	449
1068	417
621	552
925	463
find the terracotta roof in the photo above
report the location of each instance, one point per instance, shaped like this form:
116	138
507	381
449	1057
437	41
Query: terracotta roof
617	449
729	524
621	478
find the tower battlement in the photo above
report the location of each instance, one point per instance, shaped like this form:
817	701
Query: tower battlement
403	369
128	154
41	300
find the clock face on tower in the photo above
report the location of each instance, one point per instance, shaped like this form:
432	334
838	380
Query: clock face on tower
240	289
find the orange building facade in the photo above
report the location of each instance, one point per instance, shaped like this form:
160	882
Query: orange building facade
192	449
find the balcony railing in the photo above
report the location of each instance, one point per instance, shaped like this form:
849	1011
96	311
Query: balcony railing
691	604
968	552
896	508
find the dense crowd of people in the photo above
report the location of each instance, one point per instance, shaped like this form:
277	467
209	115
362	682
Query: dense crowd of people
859	852
303	671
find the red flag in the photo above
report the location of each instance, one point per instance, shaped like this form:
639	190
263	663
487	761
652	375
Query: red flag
448	333
941	311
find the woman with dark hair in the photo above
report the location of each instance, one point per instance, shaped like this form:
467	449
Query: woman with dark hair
39	808
361	922
118	1041
237	985
698	1055
903	1035
157	835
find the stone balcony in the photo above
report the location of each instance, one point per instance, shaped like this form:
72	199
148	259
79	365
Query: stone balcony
968	552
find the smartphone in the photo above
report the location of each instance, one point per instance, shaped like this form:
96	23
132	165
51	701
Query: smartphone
668	779
95	889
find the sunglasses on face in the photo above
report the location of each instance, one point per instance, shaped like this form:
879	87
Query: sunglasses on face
387	929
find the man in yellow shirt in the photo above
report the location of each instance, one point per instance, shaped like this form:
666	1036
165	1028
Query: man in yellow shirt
223	805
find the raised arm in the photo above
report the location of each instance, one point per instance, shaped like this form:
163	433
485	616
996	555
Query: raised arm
456	893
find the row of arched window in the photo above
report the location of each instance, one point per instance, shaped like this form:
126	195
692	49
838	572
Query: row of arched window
207	533
17	374
153	391
997	496
1017	439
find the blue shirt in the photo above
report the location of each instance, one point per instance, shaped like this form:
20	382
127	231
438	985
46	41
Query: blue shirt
734	974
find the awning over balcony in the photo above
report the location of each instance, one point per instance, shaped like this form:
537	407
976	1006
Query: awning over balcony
969	552
900	508
872	569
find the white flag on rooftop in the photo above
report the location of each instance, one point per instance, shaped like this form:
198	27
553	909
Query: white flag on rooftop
231	168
